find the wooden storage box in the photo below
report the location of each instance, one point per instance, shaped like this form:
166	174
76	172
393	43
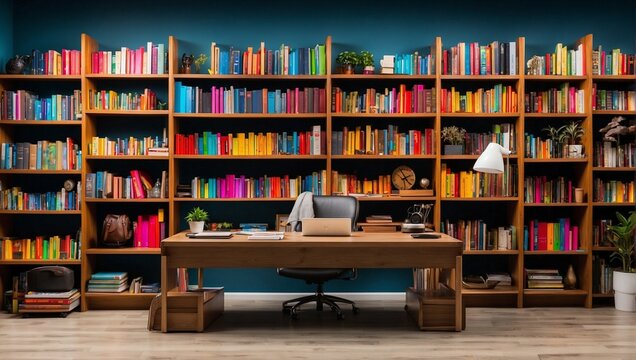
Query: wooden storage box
189	311
432	309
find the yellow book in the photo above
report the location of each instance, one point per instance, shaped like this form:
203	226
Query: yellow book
443	182
160	215
550	236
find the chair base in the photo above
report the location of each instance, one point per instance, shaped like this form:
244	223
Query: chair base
320	298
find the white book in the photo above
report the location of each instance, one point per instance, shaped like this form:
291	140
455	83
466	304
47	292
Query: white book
122	66
148	58
513	58
316	140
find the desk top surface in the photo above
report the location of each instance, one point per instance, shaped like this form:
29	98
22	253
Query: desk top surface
294	239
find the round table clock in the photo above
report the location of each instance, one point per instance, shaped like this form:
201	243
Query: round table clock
403	177
69	185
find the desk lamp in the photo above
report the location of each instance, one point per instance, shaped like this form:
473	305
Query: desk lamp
491	160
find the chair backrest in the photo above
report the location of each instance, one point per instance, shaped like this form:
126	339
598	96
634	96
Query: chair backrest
326	206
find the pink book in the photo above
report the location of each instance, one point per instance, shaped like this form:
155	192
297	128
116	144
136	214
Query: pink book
221	188
575	238
152	231
144	231
138	188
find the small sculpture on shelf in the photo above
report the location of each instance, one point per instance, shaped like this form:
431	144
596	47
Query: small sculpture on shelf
18	64
186	63
200	60
614	129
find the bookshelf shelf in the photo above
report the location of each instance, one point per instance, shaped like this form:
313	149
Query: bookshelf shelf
251	157
396	198
249	77
554	78
548	293
556	161
466	157
491	252
38	78
126	112
123	251
37	172
555	115
478	115
41	122
606	204
498	290
615	169
110	200
480	77
613	112
617	78
511	199
125	157
603	248
40	262
232	199
583	204
41	212
361	77
128	77
373	157
381	115
554	252
603	296
249	116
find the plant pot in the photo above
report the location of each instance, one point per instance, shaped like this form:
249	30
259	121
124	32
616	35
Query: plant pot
578	195
196	226
575	151
453	149
624	291
368	70
347	69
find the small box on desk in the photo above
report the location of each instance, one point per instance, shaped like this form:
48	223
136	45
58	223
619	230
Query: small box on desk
432	309
188	311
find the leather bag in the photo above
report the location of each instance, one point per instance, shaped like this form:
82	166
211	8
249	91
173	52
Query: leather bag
50	279
116	230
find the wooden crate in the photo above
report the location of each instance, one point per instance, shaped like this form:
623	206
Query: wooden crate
432	309
188	311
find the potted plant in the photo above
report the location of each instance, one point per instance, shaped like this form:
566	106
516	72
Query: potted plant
453	138
557	136
366	60
196	219
200	60
573	133
621	236
348	61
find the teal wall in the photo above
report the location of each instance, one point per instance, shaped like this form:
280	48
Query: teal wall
379	26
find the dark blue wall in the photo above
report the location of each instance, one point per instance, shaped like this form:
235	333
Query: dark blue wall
381	27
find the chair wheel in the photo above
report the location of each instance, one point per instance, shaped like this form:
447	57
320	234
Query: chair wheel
355	309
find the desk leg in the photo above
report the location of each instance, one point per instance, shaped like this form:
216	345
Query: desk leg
168	282
459	306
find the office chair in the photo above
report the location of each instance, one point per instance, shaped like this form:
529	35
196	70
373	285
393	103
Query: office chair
324	207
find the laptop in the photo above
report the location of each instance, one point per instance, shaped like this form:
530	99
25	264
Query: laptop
326	226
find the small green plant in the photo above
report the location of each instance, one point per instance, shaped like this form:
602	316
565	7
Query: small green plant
200	60
622	237
346	58
196	214
572	132
453	135
366	58
555	134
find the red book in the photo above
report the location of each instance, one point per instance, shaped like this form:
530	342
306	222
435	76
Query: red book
137	232
542	242
144	233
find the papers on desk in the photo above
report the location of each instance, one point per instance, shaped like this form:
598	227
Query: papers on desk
210	235
267	235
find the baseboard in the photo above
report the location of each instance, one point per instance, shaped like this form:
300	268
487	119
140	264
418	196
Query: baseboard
356	296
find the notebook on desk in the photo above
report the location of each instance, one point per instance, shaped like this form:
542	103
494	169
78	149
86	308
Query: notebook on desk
326	227
210	235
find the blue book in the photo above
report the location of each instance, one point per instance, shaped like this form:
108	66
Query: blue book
177	95
271	102
257	101
109	276
223	62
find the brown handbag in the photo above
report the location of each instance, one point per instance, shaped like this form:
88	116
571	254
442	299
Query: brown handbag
116	230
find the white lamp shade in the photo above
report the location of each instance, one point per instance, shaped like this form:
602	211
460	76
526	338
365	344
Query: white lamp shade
491	160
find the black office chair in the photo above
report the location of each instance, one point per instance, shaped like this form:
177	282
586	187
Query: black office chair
324	207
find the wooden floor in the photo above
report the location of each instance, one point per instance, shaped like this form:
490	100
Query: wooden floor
259	330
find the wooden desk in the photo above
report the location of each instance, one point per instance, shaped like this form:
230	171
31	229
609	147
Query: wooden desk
360	250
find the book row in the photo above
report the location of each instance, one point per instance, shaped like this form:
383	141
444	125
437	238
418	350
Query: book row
151	59
52	62
538	148
612	62
108	282
112	100
124	146
561	62
602	276
387	141
608	154
15	199
613	100
496	58
311	142
613	191
412	64
502	134
566	99
552	236
345	184
35	301
477	235
43	155
149	230
40	248
540	189
399	100
221	100
600	234
241	186
496	100
105	185
469	184
282	61
544	279
25	105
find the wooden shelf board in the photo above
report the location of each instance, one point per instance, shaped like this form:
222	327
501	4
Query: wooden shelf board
233	199
548	292
555	115
250	116
606	204
251	157
127	112
481	77
109	200
600	296
603	248
383	115
556	160
371	157
491	252
553	78
479	115
498	290
41	77
129	76
125	157
41	212
514	199
42	122
40	262
123	251
41	172
382	77
613	112
396	198
555	252
617	169
247	77
583	204
627	78
467	157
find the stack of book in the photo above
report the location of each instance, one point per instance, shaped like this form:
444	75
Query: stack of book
544	279
503	278
150	288
35	301
110	282
379	223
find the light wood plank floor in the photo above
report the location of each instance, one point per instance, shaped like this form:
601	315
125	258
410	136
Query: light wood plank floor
259	330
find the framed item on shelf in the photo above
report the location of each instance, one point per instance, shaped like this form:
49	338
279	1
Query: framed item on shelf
281	223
